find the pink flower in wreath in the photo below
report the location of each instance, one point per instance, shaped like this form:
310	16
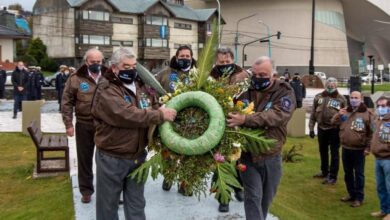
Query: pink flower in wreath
219	157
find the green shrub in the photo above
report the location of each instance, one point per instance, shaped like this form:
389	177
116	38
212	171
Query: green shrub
48	64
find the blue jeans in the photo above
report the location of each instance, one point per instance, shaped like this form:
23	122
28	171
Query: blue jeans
353	163
382	172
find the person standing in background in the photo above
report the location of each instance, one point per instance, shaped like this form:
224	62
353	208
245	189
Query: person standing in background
19	81
3	79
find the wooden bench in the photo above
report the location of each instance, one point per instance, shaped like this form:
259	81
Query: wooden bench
49	143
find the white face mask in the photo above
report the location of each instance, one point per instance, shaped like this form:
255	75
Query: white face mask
66	72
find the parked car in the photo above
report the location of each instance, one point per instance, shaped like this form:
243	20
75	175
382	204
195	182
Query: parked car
50	80
386	77
322	75
8	82
368	77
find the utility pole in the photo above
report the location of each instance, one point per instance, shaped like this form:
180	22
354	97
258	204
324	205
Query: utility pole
311	62
236	38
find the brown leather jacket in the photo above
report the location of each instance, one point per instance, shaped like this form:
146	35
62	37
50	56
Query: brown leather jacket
239	75
78	93
380	144
325	106
356	128
274	108
121	124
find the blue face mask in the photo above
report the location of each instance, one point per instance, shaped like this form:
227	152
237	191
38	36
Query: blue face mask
184	63
382	111
355	102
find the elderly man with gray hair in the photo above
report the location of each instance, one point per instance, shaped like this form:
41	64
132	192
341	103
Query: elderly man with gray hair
122	120
77	96
274	102
325	105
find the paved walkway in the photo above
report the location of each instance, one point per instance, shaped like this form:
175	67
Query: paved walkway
160	205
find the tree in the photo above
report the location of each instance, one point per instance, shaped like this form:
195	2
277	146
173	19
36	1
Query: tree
17	7
37	49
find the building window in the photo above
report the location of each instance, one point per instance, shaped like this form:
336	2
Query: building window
156	20
176	46
96	15
122	43
153	42
95	39
183	26
123	20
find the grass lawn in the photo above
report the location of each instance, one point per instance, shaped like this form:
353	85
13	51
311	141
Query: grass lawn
377	87
22	197
302	197
47	73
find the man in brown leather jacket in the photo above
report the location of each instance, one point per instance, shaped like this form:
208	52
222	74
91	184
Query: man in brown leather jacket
77	97
355	123
275	103
325	105
123	110
380	147
225	67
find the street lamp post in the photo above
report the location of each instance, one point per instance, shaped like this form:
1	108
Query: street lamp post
236	38
372	64
311	61
219	23
269	39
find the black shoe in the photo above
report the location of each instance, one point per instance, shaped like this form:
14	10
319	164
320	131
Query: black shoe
166	186
347	199
320	175
239	195
223	207
14	117
329	181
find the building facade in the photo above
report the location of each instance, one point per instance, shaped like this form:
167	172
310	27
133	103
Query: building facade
345	31
153	29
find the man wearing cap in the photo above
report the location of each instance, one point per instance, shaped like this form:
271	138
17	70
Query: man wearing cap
299	89
61	78
325	105
77	97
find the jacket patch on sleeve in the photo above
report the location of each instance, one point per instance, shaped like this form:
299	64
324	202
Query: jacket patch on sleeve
84	86
286	103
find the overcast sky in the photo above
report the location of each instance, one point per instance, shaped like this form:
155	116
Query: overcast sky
27	4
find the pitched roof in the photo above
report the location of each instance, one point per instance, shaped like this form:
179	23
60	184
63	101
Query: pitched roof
6	32
140	6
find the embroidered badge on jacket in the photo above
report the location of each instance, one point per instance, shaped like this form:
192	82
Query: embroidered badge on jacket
84	86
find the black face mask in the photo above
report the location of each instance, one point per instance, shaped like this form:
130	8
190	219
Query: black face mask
226	69
260	84
94	68
127	76
184	63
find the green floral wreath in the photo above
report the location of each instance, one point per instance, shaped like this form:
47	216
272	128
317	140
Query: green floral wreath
210	138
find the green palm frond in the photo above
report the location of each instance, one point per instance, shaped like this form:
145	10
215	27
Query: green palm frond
153	164
226	180
207	57
257	143
149	79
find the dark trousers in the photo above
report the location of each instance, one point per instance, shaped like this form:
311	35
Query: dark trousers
18	98
85	146
353	163
112	179
299	103
260	180
2	91
330	138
